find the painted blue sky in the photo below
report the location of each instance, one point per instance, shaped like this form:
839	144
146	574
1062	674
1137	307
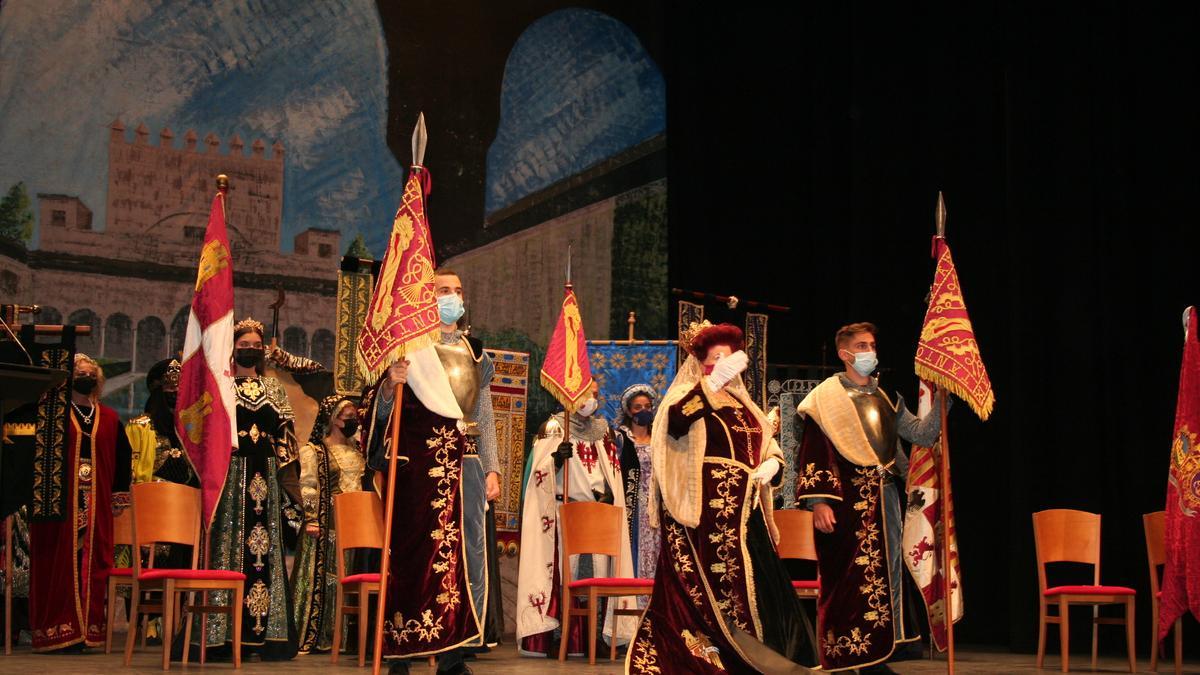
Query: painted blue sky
311	75
578	88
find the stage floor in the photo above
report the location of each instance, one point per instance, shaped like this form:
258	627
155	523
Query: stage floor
504	660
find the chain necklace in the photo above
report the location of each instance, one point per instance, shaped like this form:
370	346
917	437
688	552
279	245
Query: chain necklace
87	419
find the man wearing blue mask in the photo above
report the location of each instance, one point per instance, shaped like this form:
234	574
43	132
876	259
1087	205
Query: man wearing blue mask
851	470
468	373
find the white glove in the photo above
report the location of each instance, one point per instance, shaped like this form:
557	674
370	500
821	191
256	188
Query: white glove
766	471
773	420
726	369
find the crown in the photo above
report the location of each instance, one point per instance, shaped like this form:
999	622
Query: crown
688	335
249	323
173	371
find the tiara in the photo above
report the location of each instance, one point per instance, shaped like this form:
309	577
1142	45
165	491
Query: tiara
249	323
688	335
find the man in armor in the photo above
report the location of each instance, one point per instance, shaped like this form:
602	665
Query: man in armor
447	406
850	473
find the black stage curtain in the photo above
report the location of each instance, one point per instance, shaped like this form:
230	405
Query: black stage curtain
806	136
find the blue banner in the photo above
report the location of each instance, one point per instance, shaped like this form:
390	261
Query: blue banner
616	367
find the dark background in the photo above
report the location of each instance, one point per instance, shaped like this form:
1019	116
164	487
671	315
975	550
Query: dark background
806	146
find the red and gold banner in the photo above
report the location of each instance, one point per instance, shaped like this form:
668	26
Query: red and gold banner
566	372
1181	573
922	543
947	353
403	316
206	415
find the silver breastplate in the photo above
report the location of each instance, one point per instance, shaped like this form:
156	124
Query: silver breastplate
878	421
463	373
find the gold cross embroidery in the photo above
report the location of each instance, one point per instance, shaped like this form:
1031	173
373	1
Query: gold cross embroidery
745	428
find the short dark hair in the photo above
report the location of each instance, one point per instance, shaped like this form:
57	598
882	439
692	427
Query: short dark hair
845	333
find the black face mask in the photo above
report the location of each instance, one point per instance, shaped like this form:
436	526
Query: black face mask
85	385
248	357
349	428
169	398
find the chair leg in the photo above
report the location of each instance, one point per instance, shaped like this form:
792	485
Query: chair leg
204	632
187	626
131	634
1179	646
1154	643
364	612
237	626
566	627
1041	653
1064	630
168	621
339	616
1095	633
612	640
593	607
1130	628
112	614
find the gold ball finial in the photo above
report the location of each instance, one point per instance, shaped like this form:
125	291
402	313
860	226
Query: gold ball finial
222	182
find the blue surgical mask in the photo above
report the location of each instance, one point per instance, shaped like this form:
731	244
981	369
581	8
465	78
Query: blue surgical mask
643	418
865	363
450	307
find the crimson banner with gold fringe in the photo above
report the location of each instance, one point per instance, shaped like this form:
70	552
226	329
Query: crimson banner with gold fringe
566	372
947	353
403	316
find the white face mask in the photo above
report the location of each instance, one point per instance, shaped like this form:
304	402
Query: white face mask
589	406
865	363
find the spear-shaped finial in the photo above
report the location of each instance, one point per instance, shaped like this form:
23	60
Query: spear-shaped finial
940	216
222	182
419	139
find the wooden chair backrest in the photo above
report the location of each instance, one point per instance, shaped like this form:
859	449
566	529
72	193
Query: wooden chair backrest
1066	535
795	534
358	521
1155	525
590	527
165	513
123	528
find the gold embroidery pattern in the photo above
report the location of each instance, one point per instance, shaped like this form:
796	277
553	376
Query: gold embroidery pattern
681	559
254	433
251	389
752	446
725	536
259	544
702	648
258	601
645	655
692	406
812	476
258	491
425	630
447	535
855	644
870	558
49	443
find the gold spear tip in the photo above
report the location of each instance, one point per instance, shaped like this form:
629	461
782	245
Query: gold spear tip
419	139
222	182
940	217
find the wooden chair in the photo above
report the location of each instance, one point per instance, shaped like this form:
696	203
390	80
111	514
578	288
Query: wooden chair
119	576
796	543
593	528
169	513
1155	527
358	523
1065	535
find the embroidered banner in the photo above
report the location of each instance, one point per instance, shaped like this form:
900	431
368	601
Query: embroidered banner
1181	574
565	372
689	313
353	301
510	388
616	367
755	375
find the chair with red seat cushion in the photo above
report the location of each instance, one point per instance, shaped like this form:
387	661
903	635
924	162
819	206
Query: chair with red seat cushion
594	528
1065	535
169	513
358	523
121	576
1155	526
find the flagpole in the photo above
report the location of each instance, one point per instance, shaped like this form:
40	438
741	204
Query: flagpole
947	586
389	510
566	496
